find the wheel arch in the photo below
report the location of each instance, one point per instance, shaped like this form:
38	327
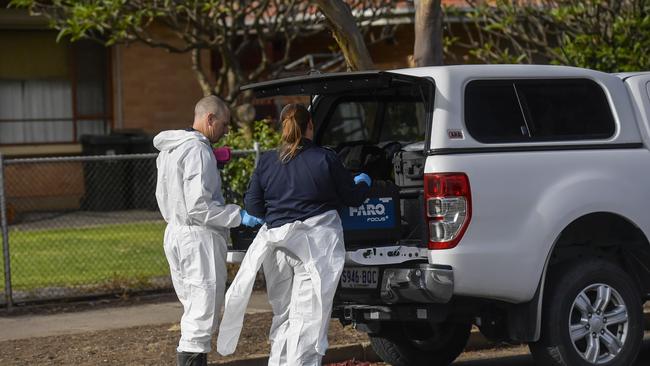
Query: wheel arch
606	235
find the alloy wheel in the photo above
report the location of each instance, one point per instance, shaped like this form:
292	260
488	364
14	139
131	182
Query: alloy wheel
598	323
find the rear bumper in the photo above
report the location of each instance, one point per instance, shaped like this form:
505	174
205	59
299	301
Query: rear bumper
403	283
425	283
409	292
402	280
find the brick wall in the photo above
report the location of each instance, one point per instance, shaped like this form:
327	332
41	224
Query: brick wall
394	55
158	88
44	186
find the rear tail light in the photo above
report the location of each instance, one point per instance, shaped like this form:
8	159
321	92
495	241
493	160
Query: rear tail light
448	208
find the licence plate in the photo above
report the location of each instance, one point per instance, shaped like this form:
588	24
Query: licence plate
360	277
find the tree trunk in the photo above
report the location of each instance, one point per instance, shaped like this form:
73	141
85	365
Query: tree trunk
427	50
346	33
197	67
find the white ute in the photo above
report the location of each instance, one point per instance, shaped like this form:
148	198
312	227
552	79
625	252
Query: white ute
522	196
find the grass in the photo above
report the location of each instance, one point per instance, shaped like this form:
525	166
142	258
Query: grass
114	256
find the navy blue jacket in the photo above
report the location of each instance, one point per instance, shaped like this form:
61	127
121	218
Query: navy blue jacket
313	182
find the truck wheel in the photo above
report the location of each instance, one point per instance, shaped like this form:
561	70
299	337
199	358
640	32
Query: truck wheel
592	315
414	344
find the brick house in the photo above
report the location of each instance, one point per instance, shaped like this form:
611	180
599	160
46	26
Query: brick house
52	93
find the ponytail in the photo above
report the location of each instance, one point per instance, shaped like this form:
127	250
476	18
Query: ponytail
295	118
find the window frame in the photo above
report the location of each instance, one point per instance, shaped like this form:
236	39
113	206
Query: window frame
526	112
77	117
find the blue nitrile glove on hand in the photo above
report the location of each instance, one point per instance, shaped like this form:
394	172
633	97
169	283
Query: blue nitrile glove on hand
363	177
248	220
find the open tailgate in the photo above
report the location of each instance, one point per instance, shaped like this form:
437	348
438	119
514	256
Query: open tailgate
363	82
333	83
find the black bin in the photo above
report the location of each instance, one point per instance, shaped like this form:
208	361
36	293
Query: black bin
141	173
105	180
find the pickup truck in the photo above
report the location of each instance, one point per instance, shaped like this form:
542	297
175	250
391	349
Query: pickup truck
513	198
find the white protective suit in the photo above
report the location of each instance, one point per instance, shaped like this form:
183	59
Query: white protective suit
190	200
303	261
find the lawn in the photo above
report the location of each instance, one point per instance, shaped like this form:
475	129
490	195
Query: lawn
112	256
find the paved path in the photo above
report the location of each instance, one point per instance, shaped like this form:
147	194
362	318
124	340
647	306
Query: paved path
77	219
28	326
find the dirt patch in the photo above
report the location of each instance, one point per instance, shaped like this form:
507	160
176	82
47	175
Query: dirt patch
145	345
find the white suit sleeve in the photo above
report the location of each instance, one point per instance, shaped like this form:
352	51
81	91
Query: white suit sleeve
202	190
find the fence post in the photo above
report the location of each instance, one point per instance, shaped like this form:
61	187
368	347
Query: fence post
5	236
256	147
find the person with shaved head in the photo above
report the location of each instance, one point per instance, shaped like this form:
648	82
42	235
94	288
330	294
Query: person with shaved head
189	196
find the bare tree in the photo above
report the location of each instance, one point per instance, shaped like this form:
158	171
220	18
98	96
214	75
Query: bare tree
609	35
428	47
226	30
345	31
513	31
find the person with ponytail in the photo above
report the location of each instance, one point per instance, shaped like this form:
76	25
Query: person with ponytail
297	190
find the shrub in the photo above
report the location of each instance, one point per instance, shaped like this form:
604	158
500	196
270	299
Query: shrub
238	171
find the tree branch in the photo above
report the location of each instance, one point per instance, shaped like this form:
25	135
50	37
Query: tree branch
346	33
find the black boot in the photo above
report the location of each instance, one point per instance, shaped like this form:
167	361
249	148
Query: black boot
191	359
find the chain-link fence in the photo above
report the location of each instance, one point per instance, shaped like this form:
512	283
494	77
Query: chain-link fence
81	226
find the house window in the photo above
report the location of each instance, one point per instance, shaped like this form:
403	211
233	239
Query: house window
51	92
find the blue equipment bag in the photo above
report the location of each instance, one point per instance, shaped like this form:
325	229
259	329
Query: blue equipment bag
377	221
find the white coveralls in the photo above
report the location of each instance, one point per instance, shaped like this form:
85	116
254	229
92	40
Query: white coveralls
190	200
303	261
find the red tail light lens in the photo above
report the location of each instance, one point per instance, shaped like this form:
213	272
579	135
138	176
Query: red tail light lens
448	208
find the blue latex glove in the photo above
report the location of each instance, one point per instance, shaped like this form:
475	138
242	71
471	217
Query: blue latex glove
363	177
248	220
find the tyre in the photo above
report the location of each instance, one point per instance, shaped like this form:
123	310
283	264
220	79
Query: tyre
415	344
592	315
